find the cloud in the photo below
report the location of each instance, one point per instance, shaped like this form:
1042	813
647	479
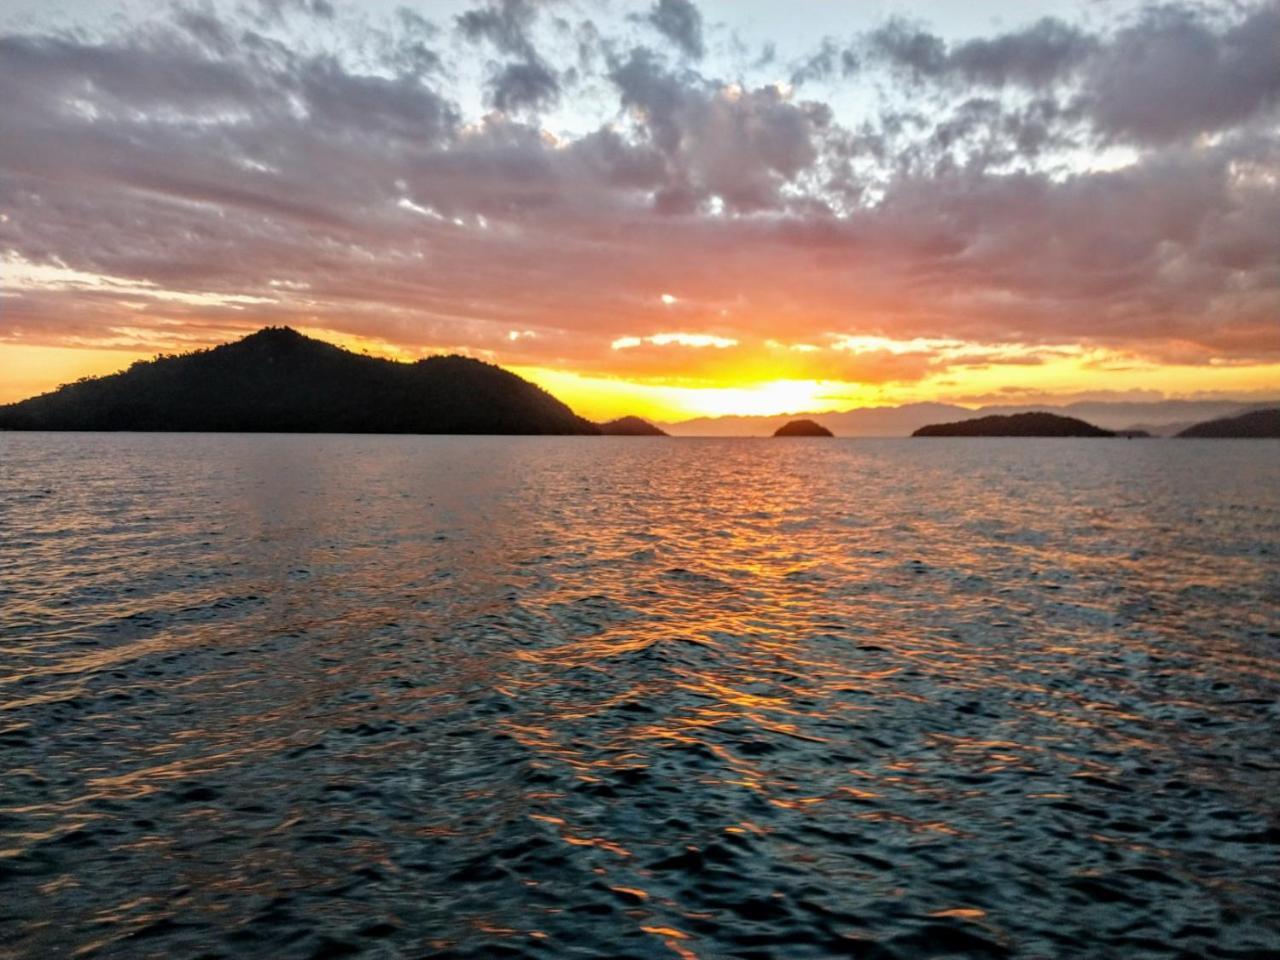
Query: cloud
529	82
1041	54
505	24
1173	72
827	62
521	85
221	175
681	339
275	11
739	147
680	22
403	108
1176	73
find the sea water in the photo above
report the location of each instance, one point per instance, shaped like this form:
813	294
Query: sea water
322	696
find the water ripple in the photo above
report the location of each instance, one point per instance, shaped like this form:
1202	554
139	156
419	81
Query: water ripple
478	697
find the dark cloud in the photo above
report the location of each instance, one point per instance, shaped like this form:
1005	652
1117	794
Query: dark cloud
828	62
528	83
1047	51
505	24
402	108
679	21
119	79
274	11
1035	57
1177	73
612	159
738	146
910	48
521	85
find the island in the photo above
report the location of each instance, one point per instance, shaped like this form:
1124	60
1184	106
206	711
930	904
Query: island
279	381
1254	425
1015	425
631	427
802	428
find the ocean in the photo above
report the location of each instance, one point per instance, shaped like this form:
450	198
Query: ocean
326	696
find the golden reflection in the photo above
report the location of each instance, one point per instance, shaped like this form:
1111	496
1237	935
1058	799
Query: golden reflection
599	842
635	892
964	913
666	932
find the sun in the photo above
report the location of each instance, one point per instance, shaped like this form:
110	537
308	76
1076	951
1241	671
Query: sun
603	398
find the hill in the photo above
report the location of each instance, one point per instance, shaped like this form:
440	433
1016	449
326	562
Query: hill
277	380
1257	424
1015	425
631	427
802	428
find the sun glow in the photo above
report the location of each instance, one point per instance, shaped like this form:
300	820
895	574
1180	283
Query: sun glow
27	371
602	398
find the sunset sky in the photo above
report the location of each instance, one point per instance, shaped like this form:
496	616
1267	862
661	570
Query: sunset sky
670	208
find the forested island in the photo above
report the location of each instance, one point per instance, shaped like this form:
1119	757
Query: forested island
277	380
802	428
1015	425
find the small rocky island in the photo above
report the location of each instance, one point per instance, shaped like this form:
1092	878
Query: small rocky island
631	427
1015	425
802	428
1254	425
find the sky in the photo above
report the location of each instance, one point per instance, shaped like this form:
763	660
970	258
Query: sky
665	208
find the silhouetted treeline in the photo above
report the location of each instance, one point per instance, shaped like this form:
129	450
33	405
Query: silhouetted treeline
277	380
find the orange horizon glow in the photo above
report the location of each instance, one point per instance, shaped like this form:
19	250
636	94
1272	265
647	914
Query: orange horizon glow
29	370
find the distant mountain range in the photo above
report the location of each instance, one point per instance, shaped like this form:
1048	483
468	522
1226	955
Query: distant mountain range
278	380
1164	418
